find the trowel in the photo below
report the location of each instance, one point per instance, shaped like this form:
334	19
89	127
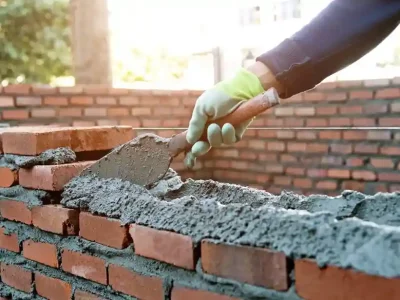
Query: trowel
147	158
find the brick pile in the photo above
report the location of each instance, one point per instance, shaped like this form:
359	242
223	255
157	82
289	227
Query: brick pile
306	161
49	251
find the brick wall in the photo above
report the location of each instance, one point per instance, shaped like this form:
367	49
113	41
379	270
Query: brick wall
303	160
48	251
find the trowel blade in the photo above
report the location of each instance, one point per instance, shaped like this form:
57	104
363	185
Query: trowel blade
142	161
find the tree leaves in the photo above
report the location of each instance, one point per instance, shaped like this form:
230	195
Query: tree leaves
35	37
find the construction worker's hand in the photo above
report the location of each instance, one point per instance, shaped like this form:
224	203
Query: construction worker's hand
215	103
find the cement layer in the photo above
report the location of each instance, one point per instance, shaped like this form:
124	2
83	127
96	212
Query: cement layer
31	197
126	258
328	229
50	157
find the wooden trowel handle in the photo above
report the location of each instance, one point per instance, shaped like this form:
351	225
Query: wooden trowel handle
244	112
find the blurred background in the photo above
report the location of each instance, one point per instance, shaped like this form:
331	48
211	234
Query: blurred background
154	43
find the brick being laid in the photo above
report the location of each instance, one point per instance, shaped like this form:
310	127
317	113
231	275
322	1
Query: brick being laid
35	140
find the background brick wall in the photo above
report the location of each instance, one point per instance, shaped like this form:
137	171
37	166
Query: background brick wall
324	160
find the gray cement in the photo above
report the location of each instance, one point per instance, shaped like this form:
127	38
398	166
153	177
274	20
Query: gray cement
328	229
50	157
126	258
11	293
30	197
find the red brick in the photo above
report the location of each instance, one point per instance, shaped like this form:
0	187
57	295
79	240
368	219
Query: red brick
361	94
17	277
376	109
95	112
56	101
106	122
355	162
389	177
274	168
257	144
56	219
70	112
29	101
340	96
288	158
43	253
330	135
6	102
173	248
82	295
306	135
302	183
395	188
317	148
326	110
285	134
317	173
342	148
388	93
316	122
95	89
141	111
314	96
85	266
51	177
389	122
9	241
118	112
134	284
332	283
390	150
326	185
15	211
336	173
43	113
364	122
52	288
382	163
276	146
43	89
256	266
82	100
21	89
118	91
295	171
182	293
337	121
364	175
103	230
129	101
366	148
327	85
15	114
33	141
293	122
274	122
8	177
296	147
351	110
106	101
355	135
100	138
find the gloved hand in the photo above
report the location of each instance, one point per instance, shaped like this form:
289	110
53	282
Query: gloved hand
215	103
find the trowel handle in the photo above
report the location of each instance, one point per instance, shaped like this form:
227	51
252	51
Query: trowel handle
242	113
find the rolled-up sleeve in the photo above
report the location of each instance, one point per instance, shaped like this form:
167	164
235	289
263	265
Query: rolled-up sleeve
339	35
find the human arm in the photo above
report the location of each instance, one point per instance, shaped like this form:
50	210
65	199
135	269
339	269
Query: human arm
338	36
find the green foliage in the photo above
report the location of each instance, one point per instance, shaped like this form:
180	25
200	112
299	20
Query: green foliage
35	45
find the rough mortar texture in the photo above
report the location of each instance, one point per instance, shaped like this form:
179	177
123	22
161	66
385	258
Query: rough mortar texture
30	197
57	156
350	230
126	258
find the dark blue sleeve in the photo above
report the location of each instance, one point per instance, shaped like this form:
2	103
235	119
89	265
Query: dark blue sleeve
339	35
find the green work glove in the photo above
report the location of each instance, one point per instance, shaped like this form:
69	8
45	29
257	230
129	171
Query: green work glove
215	103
